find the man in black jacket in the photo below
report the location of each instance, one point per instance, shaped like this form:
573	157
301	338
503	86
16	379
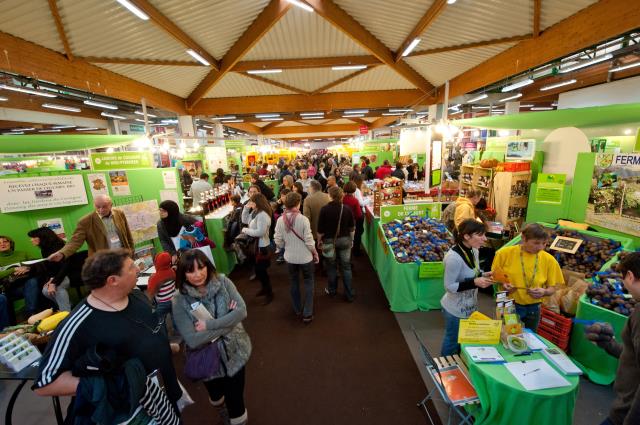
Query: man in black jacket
367	171
264	189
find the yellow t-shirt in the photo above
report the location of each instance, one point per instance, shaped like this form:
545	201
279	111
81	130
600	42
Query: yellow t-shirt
548	272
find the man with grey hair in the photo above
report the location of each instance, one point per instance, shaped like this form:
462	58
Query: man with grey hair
313	204
105	228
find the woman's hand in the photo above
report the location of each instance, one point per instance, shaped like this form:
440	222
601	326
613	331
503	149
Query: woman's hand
316	257
508	287
482	282
19	271
251	205
51	287
537	292
200	326
488	274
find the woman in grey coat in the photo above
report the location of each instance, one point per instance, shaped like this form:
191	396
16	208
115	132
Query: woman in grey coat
199	286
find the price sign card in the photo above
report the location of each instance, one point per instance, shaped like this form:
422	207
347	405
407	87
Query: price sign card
479	331
429	270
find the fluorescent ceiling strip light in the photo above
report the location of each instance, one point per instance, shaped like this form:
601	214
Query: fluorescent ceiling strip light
142	113
139	120
480	97
451	1
60	107
305	114
560	84
23	129
423	113
134	9
357	111
86	129
498	110
411	46
353	116
393	114
114	116
267	115
198	57
455	106
401	110
475	108
169	121
12	133
3	99
57	127
264	71
226	117
348	67
301	5
28	91
49	131
157	124
273	119
623	67
229	121
208	126
526	105
517	85
100	104
542	108
581	65
515	96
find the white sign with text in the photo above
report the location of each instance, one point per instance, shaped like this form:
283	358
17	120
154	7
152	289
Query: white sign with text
37	193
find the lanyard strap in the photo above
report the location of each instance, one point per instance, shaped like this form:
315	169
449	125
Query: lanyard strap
470	261
528	284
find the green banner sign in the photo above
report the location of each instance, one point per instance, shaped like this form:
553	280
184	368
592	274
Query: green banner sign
398	212
550	188
234	144
121	160
137	128
430	270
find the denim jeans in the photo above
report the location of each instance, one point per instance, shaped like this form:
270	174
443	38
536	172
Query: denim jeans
342	259
529	314
294	277
4	311
61	297
607	422
450	340
28	289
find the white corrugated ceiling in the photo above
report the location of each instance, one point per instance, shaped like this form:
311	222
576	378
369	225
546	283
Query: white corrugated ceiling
214	25
105	28
289	124
467	21
343	121
555	11
300	34
178	80
237	85
440	67
307	79
391	22
379	78
30	20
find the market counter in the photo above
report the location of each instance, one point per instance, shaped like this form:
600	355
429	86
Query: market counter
503	400
225	260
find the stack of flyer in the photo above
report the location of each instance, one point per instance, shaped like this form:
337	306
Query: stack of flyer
16	352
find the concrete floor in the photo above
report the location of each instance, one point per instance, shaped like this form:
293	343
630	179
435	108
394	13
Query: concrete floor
593	401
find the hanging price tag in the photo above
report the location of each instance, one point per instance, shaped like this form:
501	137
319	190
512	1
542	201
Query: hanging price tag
430	270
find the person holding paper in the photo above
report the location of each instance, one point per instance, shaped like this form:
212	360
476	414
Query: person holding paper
16	279
208	308
462	278
625	409
532	273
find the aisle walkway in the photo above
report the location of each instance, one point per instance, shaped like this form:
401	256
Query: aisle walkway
350	366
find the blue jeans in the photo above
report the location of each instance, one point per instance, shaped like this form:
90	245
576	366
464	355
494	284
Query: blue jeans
529	314
307	276
607	422
450	340
4	311
342	259
29	290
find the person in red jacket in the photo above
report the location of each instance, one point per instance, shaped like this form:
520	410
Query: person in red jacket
352	202
384	170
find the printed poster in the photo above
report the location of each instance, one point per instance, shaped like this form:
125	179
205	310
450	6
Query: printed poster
169	195
97	184
169	179
37	193
54	224
550	188
216	157
614	199
119	183
142	218
521	150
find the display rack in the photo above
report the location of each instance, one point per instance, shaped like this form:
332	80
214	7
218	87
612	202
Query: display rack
476	177
387	193
510	196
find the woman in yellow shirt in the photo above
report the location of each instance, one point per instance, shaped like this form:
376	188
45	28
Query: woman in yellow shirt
531	273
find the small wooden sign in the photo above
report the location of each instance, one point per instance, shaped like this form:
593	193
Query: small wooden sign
564	244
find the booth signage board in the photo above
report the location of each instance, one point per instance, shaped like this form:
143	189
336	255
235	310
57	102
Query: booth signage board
216	157
364	129
550	188
234	144
430	270
103	161
479	331
37	193
142	218
399	212
614	199
521	150
137	128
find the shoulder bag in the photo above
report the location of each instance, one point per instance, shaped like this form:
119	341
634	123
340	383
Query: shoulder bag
202	362
329	249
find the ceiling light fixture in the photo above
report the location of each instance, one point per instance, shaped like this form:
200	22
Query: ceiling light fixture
301	5
515	96
264	71
13	134
542	108
260	116
134	9
451	1
422	114
197	56
208	126
348	67
312	114
100	104
526	105
410	47
476	108
169	121
139	120
357	111
86	129
226	117
560	84
3	99
623	67
114	116
480	97
57	127
229	121
517	85
393	114
28	91
584	64
60	107
53	130
273	119
23	129
353	116
142	113
401	110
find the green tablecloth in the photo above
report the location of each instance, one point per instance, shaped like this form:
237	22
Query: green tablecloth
599	366
225	260
504	401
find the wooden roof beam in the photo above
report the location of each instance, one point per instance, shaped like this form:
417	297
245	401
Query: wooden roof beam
271	14
537	6
303	129
437	7
53	6
471	45
319	102
306	63
32	60
277	84
340	81
344	22
268	126
96	59
174	31
383	122
605	19
243	126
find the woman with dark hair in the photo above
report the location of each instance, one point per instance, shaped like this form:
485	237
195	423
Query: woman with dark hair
462	278
234	187
257	213
219	177
169	225
299	189
54	274
352	202
216	296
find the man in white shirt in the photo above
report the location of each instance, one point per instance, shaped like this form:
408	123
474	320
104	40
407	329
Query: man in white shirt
304	180
198	187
